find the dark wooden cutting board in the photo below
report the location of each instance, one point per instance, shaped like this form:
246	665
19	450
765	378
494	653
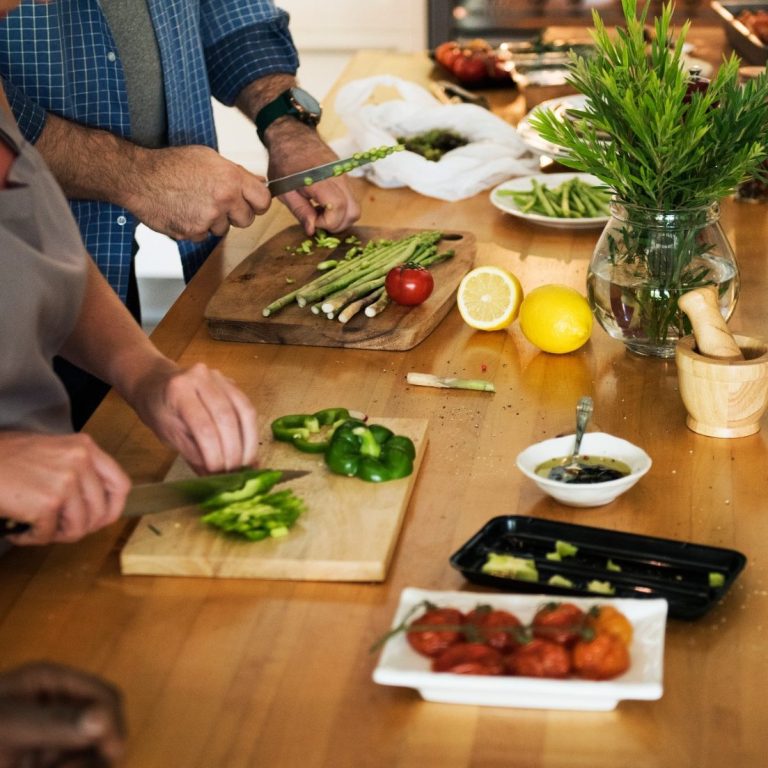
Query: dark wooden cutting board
234	312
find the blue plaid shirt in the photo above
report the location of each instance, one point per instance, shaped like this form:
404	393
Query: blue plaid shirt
61	58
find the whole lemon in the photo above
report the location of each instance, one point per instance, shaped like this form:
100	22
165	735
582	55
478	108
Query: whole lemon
555	318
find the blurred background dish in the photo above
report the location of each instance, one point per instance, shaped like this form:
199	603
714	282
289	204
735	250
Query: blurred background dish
746	27
533	138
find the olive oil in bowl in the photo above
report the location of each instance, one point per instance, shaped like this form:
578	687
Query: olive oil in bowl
583	470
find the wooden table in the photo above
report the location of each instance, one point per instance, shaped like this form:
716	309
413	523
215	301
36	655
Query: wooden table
229	673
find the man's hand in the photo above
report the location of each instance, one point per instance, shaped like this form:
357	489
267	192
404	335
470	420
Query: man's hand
52	715
64	486
329	204
199	412
184	192
189	192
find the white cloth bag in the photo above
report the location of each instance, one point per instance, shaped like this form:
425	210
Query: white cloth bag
494	153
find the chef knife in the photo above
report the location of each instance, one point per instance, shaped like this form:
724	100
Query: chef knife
173	494
309	176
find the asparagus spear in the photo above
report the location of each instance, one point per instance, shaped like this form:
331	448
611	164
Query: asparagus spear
443	382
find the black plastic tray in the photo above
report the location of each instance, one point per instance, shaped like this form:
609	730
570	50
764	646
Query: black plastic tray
650	567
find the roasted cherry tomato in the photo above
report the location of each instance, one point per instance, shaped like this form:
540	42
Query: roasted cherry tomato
501	630
540	658
559	622
409	284
472	67
606	618
427	638
447	53
601	658
470	659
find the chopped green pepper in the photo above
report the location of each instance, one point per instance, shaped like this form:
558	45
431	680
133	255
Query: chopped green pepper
309	432
369	452
258	481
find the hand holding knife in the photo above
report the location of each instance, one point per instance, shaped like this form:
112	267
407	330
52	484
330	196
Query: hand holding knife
174	494
309	176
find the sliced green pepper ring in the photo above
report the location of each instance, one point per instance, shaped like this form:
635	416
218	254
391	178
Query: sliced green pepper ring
369	452
309	432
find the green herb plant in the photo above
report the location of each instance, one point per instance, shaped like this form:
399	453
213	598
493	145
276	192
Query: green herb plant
664	149
643	134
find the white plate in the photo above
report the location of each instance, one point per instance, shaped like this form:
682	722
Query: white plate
524	183
400	665
533	139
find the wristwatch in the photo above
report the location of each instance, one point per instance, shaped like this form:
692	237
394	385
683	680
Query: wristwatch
295	102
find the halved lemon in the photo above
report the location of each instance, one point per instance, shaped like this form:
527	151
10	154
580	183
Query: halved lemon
489	298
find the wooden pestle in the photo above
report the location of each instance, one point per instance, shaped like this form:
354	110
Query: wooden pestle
713	338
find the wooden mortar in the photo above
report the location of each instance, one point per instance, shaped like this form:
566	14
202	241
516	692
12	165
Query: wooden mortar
723	378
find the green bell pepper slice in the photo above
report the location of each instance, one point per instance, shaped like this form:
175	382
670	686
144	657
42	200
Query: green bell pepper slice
369	452
309	432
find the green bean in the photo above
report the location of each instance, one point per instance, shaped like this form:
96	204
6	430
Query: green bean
573	199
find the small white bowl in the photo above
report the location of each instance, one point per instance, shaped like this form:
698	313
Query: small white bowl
593	444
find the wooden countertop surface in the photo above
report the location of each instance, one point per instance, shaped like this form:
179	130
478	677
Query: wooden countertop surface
229	673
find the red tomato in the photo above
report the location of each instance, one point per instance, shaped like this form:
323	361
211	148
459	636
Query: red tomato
428	639
409	284
603	657
501	630
559	622
540	658
469	659
471	67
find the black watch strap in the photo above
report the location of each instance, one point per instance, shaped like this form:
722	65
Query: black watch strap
292	102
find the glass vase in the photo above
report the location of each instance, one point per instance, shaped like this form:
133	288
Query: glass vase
645	260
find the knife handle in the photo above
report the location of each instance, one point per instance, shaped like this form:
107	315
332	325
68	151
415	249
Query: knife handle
10	527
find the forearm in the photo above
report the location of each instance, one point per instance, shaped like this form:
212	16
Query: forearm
90	163
259	93
108	342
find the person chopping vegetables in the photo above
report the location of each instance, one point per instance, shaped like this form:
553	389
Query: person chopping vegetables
55	301
116	96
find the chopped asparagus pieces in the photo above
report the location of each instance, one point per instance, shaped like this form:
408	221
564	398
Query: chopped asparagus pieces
349	285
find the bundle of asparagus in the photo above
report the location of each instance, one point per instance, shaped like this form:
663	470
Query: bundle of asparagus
358	283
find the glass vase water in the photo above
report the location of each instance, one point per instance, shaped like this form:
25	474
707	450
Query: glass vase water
645	260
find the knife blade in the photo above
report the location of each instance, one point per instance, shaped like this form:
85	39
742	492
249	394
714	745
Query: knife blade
150	498
309	176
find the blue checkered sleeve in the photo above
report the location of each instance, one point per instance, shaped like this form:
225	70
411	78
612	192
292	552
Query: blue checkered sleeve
61	58
236	58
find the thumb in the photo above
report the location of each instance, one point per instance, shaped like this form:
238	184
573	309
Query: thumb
26	725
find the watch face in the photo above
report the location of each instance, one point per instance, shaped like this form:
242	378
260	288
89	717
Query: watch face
306	103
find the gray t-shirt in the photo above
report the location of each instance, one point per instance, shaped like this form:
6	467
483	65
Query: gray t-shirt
131	26
42	281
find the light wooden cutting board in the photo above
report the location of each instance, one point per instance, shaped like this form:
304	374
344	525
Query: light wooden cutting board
234	312
348	532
